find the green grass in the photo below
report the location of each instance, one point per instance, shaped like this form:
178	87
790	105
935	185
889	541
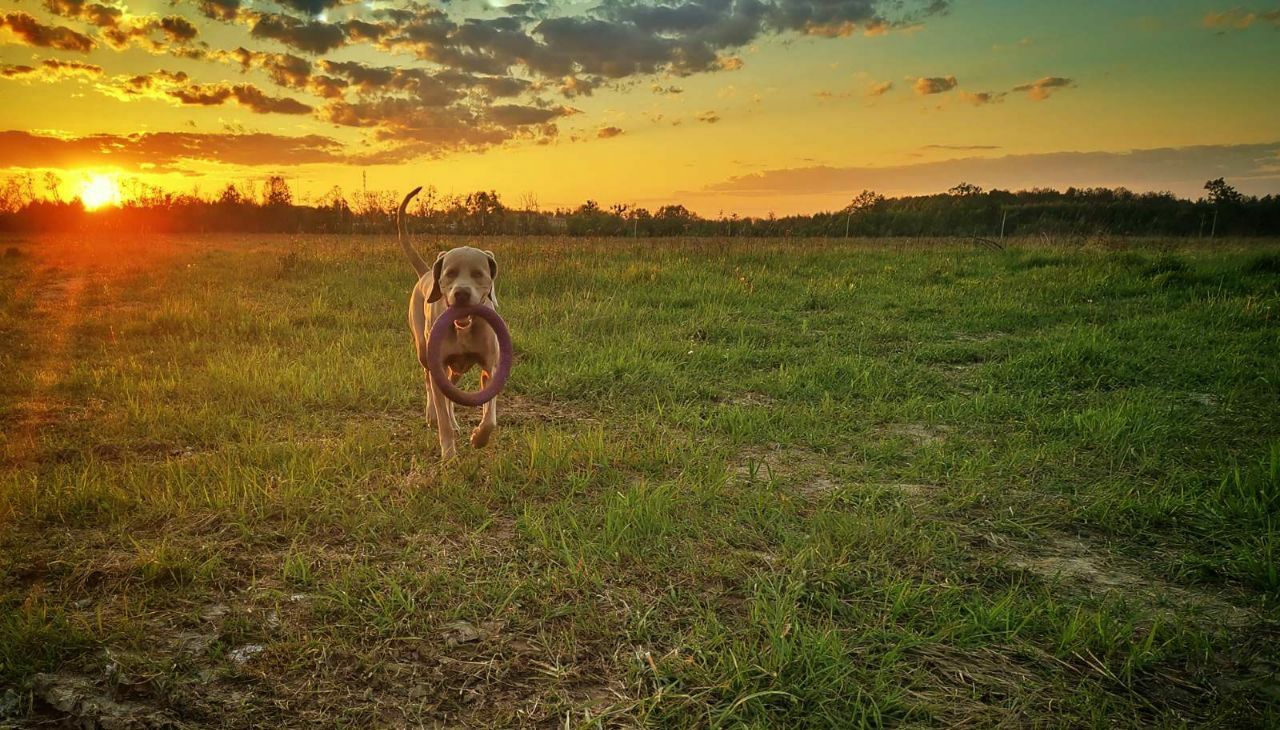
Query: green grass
735	484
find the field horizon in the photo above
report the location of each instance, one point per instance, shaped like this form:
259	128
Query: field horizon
735	483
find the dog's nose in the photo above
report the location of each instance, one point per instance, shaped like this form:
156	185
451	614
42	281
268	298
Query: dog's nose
462	297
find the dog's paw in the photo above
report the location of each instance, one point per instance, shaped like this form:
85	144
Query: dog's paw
480	436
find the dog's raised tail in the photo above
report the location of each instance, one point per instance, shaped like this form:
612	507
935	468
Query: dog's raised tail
419	265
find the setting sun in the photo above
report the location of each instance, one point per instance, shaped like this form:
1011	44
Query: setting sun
100	190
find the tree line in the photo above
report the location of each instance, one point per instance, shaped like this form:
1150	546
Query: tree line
965	210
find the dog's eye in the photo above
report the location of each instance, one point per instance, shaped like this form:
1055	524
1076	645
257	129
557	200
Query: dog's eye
475	273
450	272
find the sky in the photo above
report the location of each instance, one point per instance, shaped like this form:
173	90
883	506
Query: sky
726	106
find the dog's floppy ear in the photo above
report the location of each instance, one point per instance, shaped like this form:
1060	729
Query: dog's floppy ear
493	276
436	292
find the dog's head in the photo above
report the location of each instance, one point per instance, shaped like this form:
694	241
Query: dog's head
464	276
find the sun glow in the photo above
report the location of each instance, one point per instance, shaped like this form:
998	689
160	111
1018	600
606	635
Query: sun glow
98	191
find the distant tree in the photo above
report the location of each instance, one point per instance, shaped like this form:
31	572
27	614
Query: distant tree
1220	193
964	189
276	192
864	200
53	186
231	195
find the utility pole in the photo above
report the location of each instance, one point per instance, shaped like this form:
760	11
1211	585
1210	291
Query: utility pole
1004	215
1214	230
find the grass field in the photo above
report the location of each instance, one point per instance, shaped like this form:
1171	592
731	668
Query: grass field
735	484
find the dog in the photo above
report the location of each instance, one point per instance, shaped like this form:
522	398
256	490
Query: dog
461	276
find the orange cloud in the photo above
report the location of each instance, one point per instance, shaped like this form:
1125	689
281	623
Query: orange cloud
880	88
34	33
161	151
1043	88
980	98
607	132
50	70
1238	19
925	86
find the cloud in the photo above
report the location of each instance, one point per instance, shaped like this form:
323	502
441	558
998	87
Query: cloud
614	39
1239	19
925	86
1182	170
220	9
121	30
255	100
572	86
285	69
980	98
961	147
879	88
709	117
660	89
162	151
305	35
35	33
51	70
607	132
103	16
176	87
1043	88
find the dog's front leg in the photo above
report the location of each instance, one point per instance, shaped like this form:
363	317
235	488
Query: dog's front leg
444	421
431	408
488	417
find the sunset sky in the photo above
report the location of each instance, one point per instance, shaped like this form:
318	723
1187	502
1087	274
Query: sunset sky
747	106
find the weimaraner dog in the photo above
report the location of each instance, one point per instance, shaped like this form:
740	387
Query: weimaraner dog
461	276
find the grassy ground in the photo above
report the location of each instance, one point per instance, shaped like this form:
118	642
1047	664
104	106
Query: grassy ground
766	484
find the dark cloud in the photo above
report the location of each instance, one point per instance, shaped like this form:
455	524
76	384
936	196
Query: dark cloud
515	115
305	35
285	69
310	7
434	129
220	9
253	99
934	85
177	87
103	16
246	95
709	117
327	86
607	132
1042	89
35	33
51	69
161	151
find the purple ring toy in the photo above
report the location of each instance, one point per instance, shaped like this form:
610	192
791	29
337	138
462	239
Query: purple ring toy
435	358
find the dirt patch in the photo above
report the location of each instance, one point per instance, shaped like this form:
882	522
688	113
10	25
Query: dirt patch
749	398
1208	400
979	336
86	706
921	434
805	472
911	490
1075	559
521	409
